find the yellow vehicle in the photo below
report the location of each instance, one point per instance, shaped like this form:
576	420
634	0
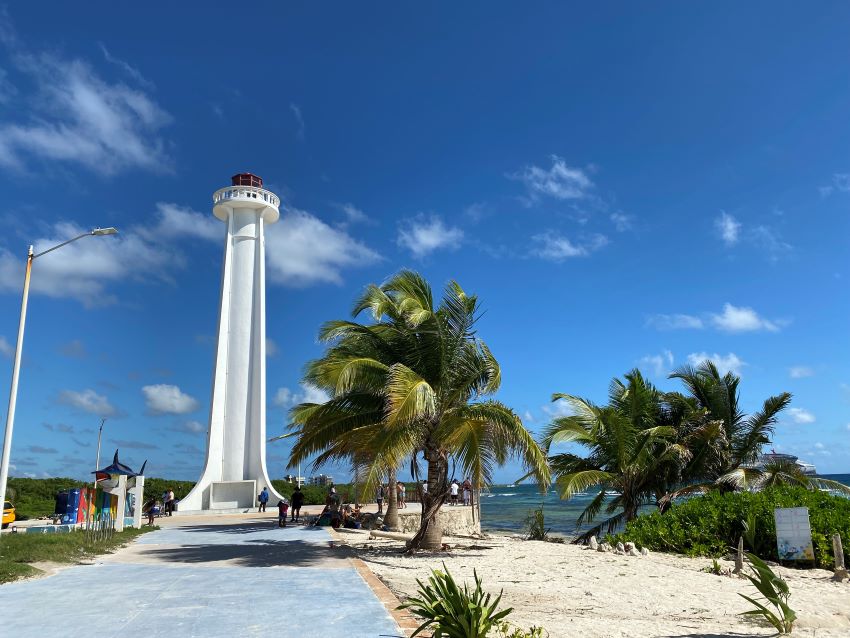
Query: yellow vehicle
8	514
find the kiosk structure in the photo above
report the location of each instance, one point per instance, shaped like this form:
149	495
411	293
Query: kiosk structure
235	467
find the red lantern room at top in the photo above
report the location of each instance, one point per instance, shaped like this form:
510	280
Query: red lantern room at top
246	179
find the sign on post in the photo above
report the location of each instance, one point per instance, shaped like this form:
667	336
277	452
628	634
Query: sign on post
793	533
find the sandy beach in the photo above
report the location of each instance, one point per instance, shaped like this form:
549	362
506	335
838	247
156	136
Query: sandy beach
573	591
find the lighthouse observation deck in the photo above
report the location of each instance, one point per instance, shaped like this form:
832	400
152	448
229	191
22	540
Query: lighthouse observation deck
246	191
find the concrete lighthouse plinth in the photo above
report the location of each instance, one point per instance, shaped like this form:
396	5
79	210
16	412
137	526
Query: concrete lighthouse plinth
235	467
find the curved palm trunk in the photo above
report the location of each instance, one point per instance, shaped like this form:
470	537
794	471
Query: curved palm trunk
391	519
430	534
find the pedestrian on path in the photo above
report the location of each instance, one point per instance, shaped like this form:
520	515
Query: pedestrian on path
467	492
379	497
282	506
297	502
263	497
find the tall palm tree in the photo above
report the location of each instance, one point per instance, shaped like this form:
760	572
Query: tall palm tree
631	444
415	381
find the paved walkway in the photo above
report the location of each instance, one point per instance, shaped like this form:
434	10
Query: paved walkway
205	577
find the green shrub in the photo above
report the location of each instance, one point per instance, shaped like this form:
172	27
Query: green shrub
775	593
452	612
710	525
535	526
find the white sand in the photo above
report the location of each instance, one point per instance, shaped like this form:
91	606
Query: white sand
572	591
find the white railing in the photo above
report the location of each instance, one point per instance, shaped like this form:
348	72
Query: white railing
246	193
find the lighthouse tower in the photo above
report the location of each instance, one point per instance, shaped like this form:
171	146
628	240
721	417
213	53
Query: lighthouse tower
235	468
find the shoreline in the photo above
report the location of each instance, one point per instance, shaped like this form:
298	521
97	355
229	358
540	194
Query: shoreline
570	590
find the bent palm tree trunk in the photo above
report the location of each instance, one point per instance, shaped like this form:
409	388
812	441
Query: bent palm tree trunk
430	534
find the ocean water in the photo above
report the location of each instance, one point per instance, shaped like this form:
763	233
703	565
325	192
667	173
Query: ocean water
505	508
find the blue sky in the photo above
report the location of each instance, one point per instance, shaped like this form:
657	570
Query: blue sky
621	186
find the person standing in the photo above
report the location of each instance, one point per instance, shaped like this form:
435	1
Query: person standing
263	497
467	492
454	490
282	506
379	497
400	494
424	488
297	502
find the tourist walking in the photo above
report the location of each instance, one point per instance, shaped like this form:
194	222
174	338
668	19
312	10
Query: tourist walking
400	495
282	506
169	501
263	497
467	492
454	487
379	497
297	502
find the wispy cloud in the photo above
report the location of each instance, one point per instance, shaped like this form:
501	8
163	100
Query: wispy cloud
66	112
286	398
88	401
168	399
553	246
742	319
73	349
301	133
801	416
731	319
6	348
675	322
728	228
840	182
39	449
559	181
353	215
133	445
658	364
126	67
423	235
621	221
175	221
724	363
800	372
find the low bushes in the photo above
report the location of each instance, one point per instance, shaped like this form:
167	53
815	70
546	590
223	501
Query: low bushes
710	525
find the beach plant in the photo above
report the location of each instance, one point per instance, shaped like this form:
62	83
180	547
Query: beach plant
749	526
535	526
416	381
451	611
507	630
775	594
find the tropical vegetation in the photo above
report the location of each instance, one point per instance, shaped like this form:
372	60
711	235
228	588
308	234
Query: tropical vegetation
646	448
417	380
773	607
710	525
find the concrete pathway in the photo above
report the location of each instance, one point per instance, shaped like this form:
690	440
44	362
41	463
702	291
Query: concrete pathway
205	577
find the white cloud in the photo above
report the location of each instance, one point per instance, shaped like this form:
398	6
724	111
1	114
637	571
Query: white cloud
88	401
302	250
271	348
528	417
168	399
800	372
300	134
799	415
728	227
558	409
83	269
675	322
560	181
195	427
742	319
6	348
724	363
423	236
353	214
72	115
285	398
131	71
621	221
553	246
175	221
840	182
769	240
658	364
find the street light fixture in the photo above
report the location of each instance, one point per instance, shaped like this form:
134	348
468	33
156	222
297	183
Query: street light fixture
16	366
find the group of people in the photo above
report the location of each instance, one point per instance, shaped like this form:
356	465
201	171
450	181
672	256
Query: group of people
456	489
382	492
283	505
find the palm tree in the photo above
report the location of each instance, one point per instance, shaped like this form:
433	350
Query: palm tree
631	444
415	381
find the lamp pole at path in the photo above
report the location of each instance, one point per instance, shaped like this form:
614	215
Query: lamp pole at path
16	366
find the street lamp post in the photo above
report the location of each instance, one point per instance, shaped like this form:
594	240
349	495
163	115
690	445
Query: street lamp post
16	366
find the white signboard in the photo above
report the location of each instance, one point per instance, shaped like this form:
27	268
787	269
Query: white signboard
793	533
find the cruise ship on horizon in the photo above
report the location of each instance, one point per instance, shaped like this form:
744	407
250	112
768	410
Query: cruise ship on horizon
774	457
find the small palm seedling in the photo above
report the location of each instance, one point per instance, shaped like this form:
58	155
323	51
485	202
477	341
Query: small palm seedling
535	526
452	612
775	592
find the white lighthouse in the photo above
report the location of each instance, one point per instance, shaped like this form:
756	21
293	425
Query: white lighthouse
235	468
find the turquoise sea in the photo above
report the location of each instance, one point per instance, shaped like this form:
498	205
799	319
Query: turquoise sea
505	507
